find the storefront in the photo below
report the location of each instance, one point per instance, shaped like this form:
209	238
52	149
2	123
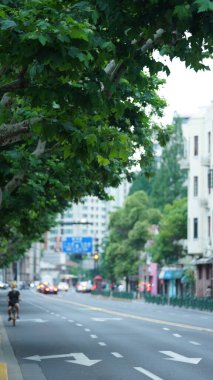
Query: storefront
170	282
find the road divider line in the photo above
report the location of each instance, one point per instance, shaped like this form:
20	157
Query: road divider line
147	373
132	316
3	371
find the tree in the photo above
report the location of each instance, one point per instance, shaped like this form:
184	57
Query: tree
78	91
168	180
168	244
128	233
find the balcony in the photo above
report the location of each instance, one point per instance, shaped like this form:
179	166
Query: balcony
205	161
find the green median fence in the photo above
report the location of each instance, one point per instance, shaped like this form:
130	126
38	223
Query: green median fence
107	293
187	301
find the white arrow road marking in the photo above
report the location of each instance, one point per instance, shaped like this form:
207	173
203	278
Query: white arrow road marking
38	320
180	358
147	373
38	358
82	360
106	319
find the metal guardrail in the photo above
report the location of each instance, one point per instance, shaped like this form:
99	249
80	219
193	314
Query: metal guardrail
187	301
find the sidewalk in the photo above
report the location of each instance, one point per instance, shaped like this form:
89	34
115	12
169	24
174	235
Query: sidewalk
9	368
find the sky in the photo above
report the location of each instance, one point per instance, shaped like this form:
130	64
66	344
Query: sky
186	90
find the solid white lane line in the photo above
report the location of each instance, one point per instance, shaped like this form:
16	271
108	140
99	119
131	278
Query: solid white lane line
166	328
102	343
195	343
147	373
177	335
117	355
93	336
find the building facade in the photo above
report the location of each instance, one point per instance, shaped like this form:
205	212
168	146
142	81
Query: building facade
199	162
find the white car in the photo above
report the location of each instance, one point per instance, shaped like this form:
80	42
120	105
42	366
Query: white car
84	287
63	286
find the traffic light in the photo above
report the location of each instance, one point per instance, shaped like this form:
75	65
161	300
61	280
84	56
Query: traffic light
96	256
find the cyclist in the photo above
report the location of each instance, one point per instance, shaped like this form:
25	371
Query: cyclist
13	300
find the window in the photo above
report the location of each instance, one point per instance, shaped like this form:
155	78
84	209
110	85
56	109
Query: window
195	145
210	180
200	272
195	186
195	221
209	226
207	272
209	142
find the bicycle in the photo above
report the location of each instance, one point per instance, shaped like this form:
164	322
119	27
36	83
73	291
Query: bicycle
13	315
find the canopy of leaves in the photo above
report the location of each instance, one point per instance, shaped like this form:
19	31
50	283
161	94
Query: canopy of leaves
168	244
78	90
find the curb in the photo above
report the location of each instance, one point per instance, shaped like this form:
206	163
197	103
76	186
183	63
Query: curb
9	368
3	371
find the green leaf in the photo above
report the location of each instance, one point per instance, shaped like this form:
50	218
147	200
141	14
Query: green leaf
7	24
204	5
103	161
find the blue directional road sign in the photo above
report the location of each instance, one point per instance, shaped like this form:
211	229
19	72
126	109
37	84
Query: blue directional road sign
78	245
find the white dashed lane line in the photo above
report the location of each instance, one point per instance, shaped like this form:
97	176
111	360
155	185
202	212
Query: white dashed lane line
195	343
177	335
166	328
93	336
87	330
102	344
117	355
79	324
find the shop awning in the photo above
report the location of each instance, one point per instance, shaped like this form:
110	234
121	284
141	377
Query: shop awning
171	274
204	260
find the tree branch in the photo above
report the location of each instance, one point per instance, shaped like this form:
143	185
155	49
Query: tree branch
115	71
12	133
16	181
19	83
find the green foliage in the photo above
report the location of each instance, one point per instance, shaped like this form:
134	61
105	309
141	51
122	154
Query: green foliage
169	180
128	233
167	247
80	78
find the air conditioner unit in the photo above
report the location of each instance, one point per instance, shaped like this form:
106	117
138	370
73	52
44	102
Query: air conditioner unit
204	202
205	161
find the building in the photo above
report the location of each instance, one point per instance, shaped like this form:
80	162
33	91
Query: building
199	162
88	218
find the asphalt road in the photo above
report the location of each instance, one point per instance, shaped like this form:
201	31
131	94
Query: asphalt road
80	337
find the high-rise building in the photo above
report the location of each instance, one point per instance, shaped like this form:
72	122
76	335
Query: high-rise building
89	218
199	162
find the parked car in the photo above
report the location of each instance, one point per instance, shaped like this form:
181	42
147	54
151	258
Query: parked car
3	285
84	287
63	286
